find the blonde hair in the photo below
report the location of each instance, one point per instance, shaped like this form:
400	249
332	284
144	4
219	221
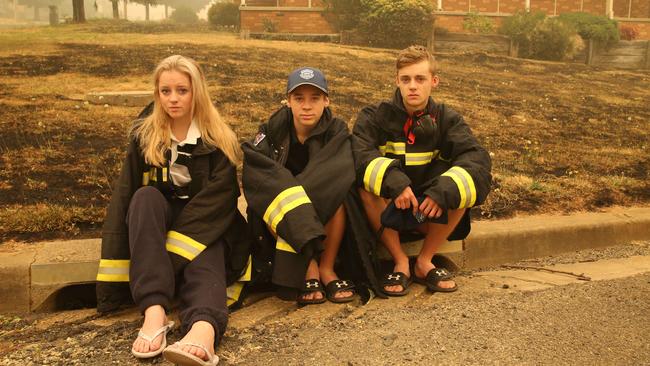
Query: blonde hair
154	134
414	54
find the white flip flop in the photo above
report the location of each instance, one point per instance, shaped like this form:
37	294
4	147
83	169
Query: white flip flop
177	356
163	330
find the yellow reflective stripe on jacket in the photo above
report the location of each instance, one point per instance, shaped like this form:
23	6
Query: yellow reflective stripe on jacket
164	174
282	245
420	158
411	158
153	175
233	292
374	175
465	185
145	178
392	147
113	270
284	202
247	273
183	245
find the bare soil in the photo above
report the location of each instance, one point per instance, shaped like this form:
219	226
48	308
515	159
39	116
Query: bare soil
564	137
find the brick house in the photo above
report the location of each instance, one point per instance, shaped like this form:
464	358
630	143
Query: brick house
287	16
307	16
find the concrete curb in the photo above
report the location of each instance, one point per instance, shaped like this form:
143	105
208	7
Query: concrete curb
33	273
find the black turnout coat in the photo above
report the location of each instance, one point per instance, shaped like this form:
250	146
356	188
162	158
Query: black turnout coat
210	215
275	197
445	162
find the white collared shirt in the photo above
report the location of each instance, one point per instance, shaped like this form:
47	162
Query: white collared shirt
179	173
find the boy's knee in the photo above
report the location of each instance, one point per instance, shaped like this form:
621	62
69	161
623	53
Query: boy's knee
367	197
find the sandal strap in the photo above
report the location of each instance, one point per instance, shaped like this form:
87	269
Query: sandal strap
339	285
312	286
395	278
438	274
164	329
197	345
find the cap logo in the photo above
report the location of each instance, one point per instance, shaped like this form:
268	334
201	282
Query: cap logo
307	74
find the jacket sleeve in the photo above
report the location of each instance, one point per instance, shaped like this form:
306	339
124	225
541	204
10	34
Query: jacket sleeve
467	182
207	216
276	196
376	174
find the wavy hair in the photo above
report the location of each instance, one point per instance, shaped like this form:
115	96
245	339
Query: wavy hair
413	55
154	133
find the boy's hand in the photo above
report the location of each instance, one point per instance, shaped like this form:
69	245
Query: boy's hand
430	208
407	199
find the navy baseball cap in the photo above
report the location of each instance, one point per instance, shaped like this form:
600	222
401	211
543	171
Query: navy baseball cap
307	76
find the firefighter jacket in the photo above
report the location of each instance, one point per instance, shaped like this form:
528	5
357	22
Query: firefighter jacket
436	155
295	208
209	215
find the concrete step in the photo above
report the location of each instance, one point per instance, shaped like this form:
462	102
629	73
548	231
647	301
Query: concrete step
33	273
122	98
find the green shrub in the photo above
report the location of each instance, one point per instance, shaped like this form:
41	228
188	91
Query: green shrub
269	25
184	15
224	15
396	23
598	28
519	27
476	23
344	14
552	39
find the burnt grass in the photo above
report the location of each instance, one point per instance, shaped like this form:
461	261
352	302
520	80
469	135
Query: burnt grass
559	140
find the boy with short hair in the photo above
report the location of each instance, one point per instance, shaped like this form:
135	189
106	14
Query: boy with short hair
423	156
297	172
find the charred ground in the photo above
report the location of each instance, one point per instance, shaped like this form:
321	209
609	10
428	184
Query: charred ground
564	137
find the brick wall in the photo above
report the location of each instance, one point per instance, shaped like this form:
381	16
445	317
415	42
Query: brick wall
312	22
308	22
456	5
568	6
296	3
642	27
545	6
484	6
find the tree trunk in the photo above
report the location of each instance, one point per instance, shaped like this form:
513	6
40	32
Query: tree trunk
125	13
116	10
166	9
78	11
37	13
147	11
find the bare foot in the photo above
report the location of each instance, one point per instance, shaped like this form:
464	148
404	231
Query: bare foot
402	266
328	276
312	274
422	268
154	319
201	333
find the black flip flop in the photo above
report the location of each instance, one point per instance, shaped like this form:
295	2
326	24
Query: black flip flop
395	279
310	287
336	286
433	278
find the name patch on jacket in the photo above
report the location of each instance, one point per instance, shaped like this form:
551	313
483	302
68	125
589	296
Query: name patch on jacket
258	138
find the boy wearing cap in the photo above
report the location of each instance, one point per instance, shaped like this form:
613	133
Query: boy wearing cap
423	156
297	172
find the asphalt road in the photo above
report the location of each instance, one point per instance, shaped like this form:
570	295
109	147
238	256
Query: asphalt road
497	317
